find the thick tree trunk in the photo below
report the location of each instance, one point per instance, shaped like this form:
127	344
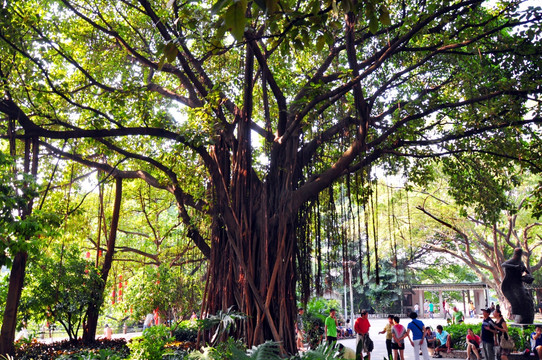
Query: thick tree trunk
257	278
91	324
16	280
252	264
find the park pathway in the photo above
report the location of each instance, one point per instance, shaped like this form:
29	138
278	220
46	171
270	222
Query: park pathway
377	325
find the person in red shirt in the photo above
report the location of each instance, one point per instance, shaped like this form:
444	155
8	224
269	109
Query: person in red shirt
473	344
361	327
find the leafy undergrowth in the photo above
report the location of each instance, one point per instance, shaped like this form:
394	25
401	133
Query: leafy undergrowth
115	348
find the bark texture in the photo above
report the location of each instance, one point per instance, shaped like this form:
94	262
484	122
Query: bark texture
93	311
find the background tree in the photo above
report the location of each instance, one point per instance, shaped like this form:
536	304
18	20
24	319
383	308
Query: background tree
21	229
59	288
254	142
483	245
161	288
386	296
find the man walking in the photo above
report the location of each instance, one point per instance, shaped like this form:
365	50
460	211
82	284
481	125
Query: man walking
361	327
417	340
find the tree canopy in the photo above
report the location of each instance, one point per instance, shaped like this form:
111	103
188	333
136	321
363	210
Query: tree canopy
483	246
245	112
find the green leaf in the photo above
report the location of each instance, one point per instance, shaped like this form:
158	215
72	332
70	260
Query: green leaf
373	24
170	52
271	6
315	7
219	5
236	20
385	16
346	5
320	42
161	62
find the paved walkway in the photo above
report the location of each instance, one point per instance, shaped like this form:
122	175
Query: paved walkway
377	325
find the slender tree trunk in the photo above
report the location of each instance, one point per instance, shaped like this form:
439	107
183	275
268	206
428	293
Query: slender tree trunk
93	311
18	268
16	280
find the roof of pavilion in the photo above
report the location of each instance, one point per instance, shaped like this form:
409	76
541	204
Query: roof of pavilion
449	286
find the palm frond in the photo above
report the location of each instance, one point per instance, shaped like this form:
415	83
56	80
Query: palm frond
266	351
205	355
322	352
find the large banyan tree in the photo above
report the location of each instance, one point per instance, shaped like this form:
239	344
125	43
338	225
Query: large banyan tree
246	110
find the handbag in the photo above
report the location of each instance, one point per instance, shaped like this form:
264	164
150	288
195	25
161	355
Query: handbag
506	342
370	344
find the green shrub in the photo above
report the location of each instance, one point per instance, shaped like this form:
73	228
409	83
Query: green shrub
186	331
521	337
42	351
102	354
314	329
458	333
313	319
150	346
222	351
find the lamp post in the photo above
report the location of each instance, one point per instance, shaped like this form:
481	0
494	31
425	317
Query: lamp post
349	264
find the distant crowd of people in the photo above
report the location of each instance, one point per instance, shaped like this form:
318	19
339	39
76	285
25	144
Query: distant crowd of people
429	310
493	341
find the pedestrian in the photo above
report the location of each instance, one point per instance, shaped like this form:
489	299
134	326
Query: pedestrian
148	321
417	340
108	332
330	328
488	335
444	309
399	334
457	316
417	309
472	309
431	308
23	333
387	331
361	327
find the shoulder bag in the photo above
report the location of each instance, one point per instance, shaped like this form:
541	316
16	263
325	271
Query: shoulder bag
506	342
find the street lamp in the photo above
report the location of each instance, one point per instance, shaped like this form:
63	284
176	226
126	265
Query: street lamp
349	264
